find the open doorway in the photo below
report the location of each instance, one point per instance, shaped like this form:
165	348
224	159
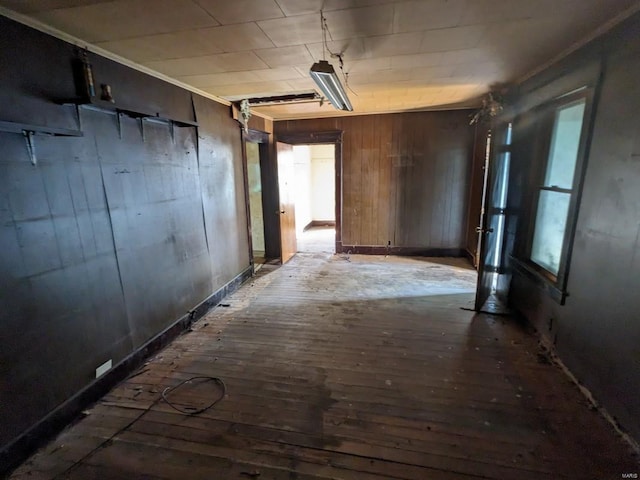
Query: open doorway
256	212
331	182
315	197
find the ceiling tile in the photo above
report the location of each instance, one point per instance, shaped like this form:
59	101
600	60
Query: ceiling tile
241	11
420	15
457	38
416	60
277	57
426	74
300	7
360	22
237	38
232	78
400	55
272	74
468	55
127	18
352	49
244	90
311	109
216	79
488	11
302	84
368	65
223	62
390	45
293	30
381	76
31	6
190	43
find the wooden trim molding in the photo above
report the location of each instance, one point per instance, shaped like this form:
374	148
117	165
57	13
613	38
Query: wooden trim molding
310	138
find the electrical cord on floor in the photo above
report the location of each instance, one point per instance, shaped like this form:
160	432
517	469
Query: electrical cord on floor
163	396
188	411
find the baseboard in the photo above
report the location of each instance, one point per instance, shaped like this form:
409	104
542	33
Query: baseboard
19	450
319	223
403	251
471	256
553	356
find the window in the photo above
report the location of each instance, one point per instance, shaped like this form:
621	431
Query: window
555	196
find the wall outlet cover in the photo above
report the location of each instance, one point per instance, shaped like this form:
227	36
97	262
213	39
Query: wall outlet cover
104	368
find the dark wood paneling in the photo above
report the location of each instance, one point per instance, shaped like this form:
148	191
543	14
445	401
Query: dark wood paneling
112	236
405	177
223	195
48	427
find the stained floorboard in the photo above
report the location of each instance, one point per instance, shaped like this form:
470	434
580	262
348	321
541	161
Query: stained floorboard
345	367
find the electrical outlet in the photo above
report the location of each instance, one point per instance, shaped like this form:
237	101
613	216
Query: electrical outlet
104	368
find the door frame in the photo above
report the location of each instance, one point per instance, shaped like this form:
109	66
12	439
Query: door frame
313	138
262	139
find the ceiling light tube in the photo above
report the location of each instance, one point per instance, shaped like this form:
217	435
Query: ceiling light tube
325	77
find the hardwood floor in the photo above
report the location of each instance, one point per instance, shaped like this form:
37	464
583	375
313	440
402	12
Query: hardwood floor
342	367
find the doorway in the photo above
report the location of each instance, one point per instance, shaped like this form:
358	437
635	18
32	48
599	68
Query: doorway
256	212
314	197
316	190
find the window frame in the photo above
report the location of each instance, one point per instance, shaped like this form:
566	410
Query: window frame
544	133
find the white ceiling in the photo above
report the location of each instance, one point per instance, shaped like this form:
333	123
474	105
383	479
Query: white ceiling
400	55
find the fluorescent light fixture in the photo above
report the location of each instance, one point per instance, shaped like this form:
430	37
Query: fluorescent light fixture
325	77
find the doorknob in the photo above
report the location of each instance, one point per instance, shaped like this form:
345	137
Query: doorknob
278	212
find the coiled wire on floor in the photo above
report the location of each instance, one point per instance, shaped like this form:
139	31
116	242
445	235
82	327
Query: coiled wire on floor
191	410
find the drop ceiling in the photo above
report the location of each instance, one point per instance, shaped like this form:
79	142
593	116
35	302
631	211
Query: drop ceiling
399	55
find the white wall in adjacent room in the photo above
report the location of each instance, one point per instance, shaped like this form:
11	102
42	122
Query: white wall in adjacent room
302	187
323	197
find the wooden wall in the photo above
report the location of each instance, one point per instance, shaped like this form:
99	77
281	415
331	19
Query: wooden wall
112	238
596	331
405	179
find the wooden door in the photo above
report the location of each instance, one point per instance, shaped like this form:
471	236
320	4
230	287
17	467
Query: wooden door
286	180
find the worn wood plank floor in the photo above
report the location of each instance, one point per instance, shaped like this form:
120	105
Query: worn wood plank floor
363	369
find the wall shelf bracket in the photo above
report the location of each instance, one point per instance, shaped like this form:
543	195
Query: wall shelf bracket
137	113
31	147
29	131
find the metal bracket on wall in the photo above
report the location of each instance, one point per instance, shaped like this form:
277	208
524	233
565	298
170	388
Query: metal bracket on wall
119	118
78	117
141	120
31	147
29	131
138	114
